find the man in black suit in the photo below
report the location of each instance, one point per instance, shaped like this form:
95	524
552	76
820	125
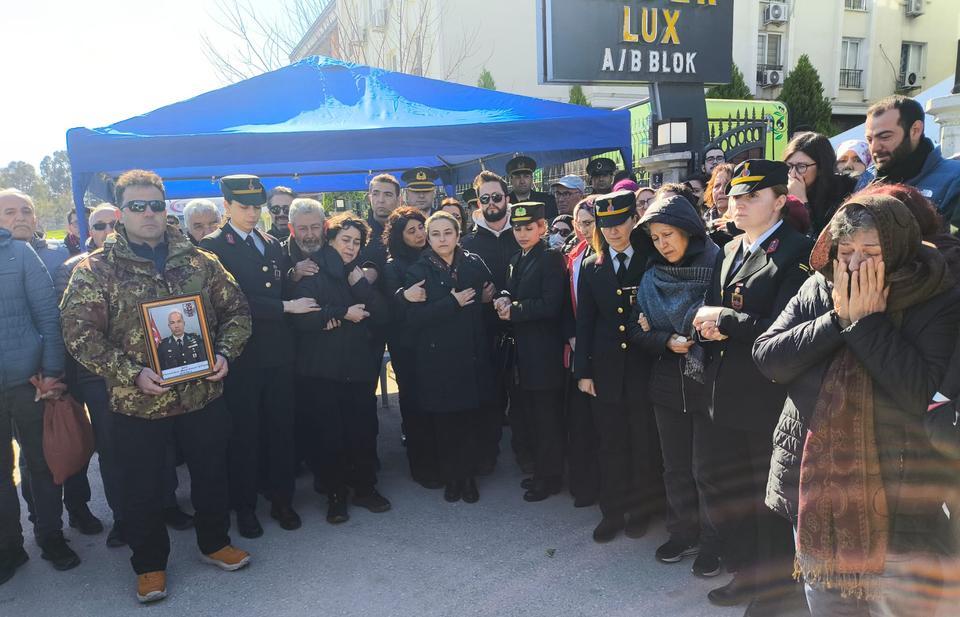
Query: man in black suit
520	171
180	348
533	302
259	389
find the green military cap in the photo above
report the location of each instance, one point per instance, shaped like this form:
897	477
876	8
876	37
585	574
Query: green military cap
521	164
244	189
526	212
615	208
419	179
756	174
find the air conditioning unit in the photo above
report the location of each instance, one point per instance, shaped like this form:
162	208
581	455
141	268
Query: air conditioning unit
909	81
914	8
775	13
771	79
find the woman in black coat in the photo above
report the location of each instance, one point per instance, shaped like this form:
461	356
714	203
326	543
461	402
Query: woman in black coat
344	359
671	291
405	237
454	369
814	179
886	344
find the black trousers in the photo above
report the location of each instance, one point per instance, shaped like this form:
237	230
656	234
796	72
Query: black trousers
141	447
683	469
347	429
582	444
628	478
456	443
418	425
262	409
543	420
521	436
735	466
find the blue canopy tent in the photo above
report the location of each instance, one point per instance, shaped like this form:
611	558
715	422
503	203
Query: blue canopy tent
326	125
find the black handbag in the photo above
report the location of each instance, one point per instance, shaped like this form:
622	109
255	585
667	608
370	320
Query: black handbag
942	423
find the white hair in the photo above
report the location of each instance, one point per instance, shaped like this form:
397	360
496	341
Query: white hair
18	194
199	206
305	205
104	206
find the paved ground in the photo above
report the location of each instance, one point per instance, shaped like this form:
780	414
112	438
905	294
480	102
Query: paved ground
501	556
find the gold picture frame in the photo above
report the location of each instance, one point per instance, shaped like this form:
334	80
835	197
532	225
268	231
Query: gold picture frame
179	345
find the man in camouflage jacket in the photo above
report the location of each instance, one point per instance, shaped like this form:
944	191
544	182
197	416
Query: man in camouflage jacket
146	260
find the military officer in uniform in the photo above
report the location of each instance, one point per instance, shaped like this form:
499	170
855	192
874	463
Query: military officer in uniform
469	197
533	303
420	189
180	348
755	277
615	373
520	171
601	172
259	389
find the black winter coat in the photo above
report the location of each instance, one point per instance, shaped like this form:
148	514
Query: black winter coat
495	251
454	367
907	364
535	285
394	277
350	352
739	395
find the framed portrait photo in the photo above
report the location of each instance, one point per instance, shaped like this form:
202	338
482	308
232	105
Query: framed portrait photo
178	340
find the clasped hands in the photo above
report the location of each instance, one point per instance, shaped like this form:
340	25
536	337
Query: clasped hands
859	293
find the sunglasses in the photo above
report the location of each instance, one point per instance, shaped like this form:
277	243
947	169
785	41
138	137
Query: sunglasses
140	205
494	197
800	168
279	209
102	226
562	231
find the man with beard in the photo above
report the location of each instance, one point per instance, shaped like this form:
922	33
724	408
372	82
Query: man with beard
601	173
278	202
713	155
420	190
383	195
494	242
520	169
902	154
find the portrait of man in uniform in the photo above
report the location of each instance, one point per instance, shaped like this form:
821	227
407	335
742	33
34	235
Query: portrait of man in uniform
177	338
181	347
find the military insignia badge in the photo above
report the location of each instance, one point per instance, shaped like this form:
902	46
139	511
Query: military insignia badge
520	212
773	246
421	175
188	309
231	239
179	345
736	299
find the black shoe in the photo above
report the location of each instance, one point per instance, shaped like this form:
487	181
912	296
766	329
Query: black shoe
673	551
337	508
527	483
83	520
706	566
175	518
636	526
470	492
453	491
9	562
116	538
248	525
737	591
56	551
608	528
373	501
286	516
584	502
542	489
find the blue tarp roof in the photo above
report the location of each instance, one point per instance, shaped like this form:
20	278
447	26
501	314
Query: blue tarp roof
325	125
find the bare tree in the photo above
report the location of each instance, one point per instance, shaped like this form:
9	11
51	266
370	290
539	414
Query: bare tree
403	37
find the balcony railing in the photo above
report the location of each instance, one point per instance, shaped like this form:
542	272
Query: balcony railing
855	5
850	79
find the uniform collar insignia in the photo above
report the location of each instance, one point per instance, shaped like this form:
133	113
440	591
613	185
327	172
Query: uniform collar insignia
231	239
773	246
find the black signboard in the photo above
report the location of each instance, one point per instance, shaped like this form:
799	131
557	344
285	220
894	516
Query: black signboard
635	41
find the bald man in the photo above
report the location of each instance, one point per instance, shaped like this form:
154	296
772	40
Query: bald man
180	348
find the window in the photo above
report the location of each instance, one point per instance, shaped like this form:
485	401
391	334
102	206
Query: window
911	63
850	64
855	5
768	50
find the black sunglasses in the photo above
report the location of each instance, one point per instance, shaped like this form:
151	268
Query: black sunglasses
102	226
279	209
564	232
140	205
494	197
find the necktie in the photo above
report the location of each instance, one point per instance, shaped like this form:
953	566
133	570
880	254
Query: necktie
180	344
622	268
252	244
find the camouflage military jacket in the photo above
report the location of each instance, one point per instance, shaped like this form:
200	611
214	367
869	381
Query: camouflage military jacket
100	315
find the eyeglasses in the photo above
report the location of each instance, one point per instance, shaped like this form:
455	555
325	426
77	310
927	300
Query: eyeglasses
643	203
102	226
716	159
279	209
140	205
494	197
800	168
561	231
563	194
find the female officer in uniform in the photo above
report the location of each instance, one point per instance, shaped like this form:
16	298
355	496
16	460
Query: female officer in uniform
758	272
613	372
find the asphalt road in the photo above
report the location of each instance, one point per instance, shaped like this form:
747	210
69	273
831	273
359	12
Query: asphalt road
501	556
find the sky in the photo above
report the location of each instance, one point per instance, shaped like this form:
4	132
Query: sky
92	63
